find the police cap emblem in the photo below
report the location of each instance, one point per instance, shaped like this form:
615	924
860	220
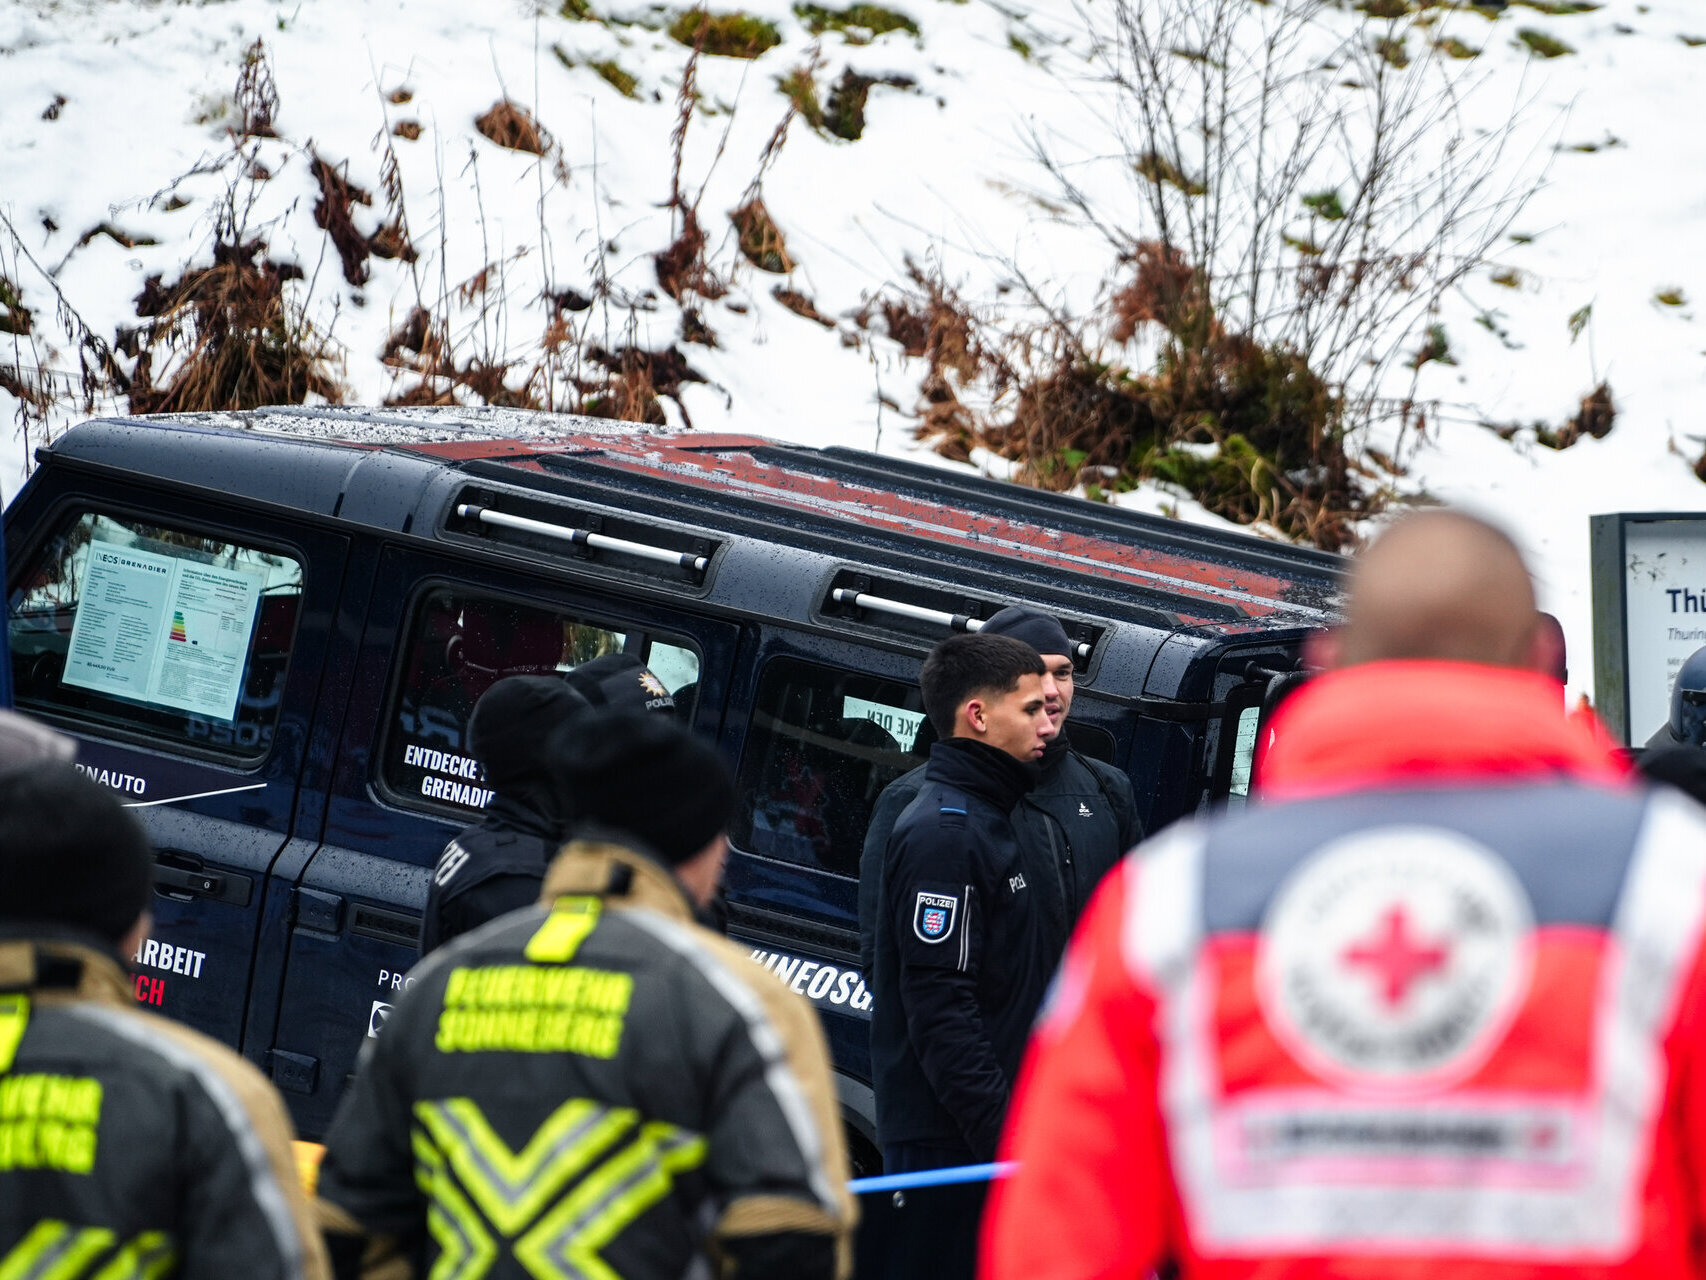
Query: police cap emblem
1393	960
933	916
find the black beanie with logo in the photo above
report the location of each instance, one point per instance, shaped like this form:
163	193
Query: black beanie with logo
1032	626
511	722
647	777
70	854
620	682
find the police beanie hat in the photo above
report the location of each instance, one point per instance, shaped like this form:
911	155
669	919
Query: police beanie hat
647	777
512	720
70	855
620	682
1036	628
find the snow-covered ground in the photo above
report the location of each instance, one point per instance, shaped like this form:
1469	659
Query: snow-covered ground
119	112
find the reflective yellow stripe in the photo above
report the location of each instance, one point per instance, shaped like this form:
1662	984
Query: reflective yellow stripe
55	1251
14	1017
148	1257
466	1248
564	930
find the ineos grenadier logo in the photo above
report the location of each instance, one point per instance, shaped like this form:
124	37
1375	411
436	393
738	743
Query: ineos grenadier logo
1393	960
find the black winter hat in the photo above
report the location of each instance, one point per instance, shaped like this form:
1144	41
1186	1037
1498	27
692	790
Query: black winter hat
647	777
69	853
511	722
620	682
1036	628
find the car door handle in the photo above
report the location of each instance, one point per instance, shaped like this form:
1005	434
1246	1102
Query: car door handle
192	882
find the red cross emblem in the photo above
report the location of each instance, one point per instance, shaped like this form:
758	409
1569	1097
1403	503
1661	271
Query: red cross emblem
1395	958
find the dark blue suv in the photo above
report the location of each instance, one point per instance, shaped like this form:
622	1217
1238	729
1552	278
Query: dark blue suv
267	631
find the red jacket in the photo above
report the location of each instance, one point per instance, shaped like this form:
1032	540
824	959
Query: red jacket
1432	1007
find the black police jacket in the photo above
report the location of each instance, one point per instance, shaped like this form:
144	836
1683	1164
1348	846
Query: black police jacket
962	959
489	869
130	1145
594	1087
1074	825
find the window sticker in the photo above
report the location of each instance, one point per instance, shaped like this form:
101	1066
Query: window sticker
903	724
162	629
1244	750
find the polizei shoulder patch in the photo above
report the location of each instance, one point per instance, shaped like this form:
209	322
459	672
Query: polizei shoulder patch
933	918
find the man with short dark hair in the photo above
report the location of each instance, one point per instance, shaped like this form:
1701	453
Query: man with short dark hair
597	1086
129	1145
1073	826
959	970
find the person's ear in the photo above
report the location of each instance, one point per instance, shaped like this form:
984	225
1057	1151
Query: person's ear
132	942
1324	649
977	715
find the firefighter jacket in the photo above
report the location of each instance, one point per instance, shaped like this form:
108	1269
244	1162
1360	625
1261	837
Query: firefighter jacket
1073	826
491	868
596	1086
1433	1007
131	1146
962	959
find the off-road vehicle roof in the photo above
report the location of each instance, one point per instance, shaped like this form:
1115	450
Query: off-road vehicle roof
685	508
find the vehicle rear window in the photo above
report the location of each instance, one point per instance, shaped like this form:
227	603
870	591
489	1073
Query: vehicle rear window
460	643
822	745
121	624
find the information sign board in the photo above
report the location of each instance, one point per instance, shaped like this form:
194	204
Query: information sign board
1649	614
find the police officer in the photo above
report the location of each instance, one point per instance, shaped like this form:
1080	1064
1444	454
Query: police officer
1676	753
961	957
1431	1005
496	865
1687	724
597	1086
1073	826
129	1146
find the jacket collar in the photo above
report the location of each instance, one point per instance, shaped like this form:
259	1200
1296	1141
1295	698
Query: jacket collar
617	874
62	968
981	770
528	812
1399	724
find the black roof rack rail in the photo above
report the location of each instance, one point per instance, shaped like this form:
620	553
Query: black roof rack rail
900	609
1242	548
553	528
586	477
583	537
927	611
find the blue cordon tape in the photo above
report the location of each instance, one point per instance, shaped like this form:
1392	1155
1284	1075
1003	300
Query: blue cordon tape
932	1177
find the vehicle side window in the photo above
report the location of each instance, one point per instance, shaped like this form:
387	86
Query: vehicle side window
460	643
822	745
1088	740
121	624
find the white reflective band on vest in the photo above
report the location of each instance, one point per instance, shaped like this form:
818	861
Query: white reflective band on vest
1540	1176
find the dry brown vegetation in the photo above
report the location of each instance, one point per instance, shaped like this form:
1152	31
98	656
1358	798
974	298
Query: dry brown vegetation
513	126
228	339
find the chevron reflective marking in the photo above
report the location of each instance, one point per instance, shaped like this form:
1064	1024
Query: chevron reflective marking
466	1248
512	1187
148	1257
55	1251
566	1243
